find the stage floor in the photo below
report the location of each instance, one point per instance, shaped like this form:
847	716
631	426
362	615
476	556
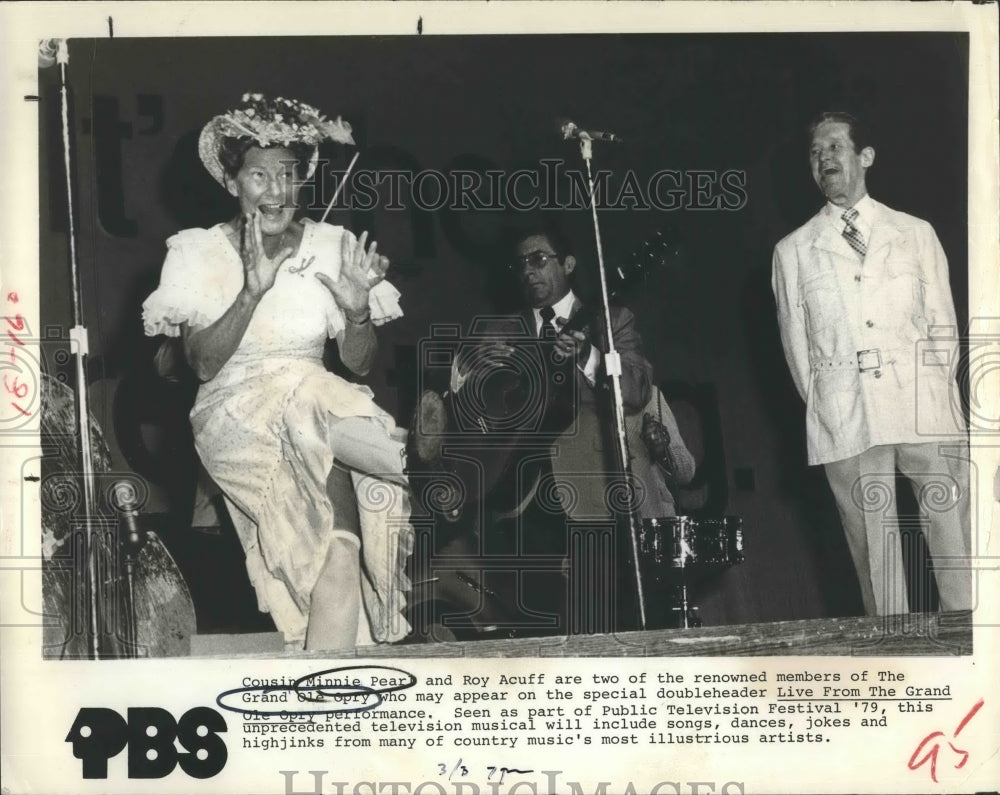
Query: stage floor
913	634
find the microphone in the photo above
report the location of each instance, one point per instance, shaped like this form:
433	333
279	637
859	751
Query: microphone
570	130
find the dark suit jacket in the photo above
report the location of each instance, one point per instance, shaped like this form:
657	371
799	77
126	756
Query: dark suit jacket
637	372
581	443
583	452
584	458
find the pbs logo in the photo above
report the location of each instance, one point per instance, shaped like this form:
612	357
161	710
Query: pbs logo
98	734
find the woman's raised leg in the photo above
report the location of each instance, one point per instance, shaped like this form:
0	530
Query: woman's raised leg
363	444
336	599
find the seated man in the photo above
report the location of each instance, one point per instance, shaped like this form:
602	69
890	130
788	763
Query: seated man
532	392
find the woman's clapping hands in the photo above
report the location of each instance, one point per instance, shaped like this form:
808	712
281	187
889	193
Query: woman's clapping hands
360	270
259	270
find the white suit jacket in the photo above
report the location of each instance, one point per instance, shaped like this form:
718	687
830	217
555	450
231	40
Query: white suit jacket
831	306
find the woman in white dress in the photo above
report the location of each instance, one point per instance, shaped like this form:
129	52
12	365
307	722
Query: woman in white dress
311	467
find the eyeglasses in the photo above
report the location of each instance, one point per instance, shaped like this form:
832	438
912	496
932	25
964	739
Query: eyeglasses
536	260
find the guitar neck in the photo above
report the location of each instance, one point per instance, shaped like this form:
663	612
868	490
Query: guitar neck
653	255
586	315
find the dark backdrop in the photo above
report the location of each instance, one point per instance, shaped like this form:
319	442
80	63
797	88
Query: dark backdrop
684	102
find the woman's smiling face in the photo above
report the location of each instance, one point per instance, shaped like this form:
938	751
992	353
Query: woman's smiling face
267	182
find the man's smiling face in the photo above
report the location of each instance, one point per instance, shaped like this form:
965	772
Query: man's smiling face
838	169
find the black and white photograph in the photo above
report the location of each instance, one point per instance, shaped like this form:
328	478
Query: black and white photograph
744	364
658	360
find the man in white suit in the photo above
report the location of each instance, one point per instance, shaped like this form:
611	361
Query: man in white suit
870	335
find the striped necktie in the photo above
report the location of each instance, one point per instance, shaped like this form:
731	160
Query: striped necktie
852	234
546	330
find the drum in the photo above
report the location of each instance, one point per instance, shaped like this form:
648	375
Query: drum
666	542
719	541
680	542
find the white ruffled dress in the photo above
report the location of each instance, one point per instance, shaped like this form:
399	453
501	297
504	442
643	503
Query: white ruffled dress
262	427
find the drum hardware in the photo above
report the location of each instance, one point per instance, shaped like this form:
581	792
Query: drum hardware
672	547
686	613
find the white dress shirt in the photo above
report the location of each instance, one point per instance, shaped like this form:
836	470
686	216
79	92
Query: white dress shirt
563	309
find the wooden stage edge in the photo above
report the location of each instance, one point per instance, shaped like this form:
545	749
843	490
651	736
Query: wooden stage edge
913	634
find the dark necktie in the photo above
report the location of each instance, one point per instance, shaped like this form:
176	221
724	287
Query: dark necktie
852	234
546	331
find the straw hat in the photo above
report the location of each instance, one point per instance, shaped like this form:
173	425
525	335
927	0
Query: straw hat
277	122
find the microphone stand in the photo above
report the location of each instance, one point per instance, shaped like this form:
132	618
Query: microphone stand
78	341
613	366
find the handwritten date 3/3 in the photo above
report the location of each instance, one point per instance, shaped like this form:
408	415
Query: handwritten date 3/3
493	772
930	746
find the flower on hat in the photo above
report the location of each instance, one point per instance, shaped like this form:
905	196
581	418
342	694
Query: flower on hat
281	121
